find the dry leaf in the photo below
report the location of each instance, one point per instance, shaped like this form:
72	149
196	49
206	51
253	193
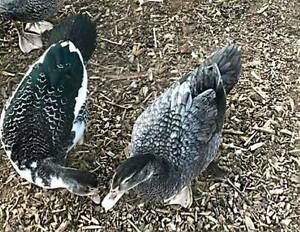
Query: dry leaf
276	191
249	224
256	146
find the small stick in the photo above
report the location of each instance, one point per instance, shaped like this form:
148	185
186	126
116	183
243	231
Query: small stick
147	98
107	98
110	41
233	146
92	227
251	137
231	131
238	190
295	151
134	226
260	93
117	105
261	129
154	37
119	77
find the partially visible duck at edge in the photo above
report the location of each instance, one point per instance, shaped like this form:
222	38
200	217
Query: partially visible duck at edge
32	12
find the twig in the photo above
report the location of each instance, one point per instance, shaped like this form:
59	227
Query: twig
295	151
101	108
144	1
147	98
234	132
239	191
260	93
265	130
92	227
119	77
110	41
134	226
5	73
154	37
251	137
233	146
107	98
117	105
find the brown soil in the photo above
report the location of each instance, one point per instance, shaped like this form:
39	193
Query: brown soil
140	51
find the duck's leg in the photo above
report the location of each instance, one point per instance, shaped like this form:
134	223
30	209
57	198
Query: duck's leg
39	27
81	140
128	150
183	198
214	169
28	41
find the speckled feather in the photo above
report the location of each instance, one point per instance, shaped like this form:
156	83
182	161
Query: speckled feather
29	10
38	120
45	117
182	128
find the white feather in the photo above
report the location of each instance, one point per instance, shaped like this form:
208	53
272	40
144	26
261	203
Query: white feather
78	127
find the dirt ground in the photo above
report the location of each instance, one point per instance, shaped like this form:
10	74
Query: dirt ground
142	50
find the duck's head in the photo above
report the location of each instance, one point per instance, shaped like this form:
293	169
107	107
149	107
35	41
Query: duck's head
82	183
130	174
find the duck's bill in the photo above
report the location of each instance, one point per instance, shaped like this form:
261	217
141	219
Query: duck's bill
111	199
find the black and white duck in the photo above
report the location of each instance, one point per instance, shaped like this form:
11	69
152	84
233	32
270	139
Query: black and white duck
32	12
46	115
179	135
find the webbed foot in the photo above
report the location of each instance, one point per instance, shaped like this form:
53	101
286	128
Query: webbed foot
183	198
39	27
29	41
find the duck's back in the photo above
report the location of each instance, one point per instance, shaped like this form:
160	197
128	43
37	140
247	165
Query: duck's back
184	124
29	10
37	121
180	125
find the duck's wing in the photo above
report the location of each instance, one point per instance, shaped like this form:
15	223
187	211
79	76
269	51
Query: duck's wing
47	102
201	131
68	78
183	118
149	132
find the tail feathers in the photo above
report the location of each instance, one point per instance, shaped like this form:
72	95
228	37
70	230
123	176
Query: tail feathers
80	30
228	60
203	78
208	77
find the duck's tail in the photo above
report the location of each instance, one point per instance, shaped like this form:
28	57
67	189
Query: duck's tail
228	60
80	30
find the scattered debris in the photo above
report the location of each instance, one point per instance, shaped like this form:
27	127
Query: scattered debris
143	46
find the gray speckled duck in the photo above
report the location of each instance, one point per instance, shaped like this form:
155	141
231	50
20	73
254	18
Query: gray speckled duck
179	135
32	12
45	116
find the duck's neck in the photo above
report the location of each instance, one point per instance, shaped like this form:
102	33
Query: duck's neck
163	182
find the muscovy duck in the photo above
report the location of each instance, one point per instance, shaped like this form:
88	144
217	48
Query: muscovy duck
179	135
46	115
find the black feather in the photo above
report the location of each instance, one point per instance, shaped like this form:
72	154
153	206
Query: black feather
80	30
228	60
83	178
